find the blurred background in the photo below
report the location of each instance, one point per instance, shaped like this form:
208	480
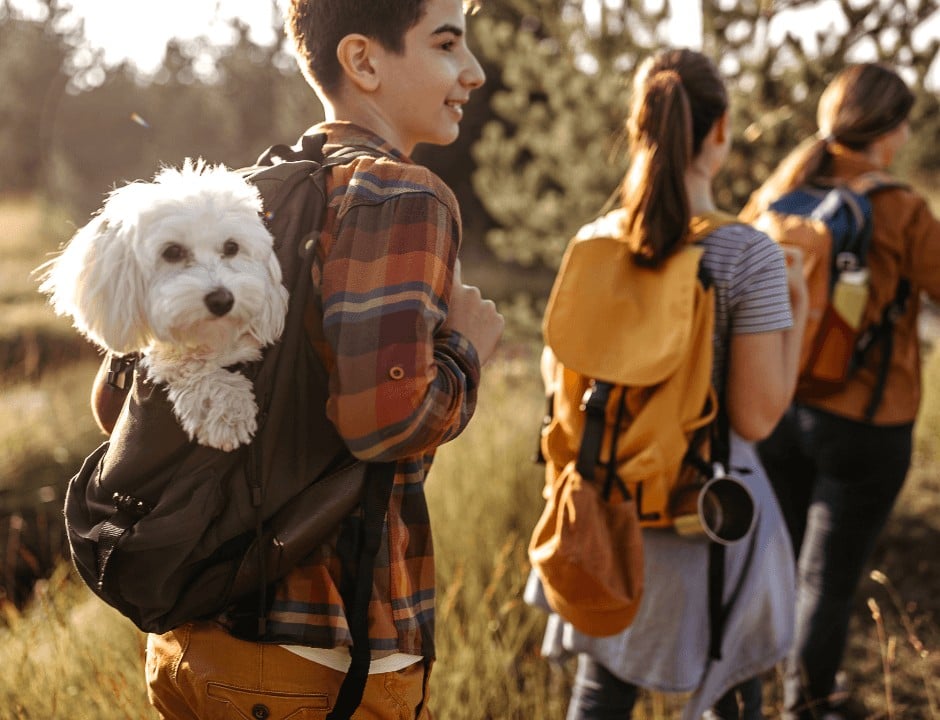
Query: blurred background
95	93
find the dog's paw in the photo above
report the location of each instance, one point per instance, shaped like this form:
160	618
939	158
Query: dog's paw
221	413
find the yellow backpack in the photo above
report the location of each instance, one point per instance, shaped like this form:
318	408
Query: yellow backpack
627	364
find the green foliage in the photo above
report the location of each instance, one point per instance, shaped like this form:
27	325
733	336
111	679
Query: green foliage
553	153
123	129
73	128
775	86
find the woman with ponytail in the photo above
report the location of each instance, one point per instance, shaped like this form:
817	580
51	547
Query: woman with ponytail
836	467
680	136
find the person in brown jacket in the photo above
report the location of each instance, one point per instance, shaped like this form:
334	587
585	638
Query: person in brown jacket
837	467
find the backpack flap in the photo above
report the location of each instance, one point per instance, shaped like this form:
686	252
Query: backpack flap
611	319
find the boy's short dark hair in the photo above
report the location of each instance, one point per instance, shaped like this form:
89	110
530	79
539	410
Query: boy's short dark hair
317	26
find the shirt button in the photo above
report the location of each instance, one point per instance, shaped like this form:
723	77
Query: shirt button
260	712
397	372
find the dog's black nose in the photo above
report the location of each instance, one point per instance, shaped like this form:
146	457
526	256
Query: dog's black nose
219	301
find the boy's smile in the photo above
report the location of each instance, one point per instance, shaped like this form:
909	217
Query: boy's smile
421	92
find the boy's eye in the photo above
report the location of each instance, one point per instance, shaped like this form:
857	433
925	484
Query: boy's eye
448	45
173	253
230	248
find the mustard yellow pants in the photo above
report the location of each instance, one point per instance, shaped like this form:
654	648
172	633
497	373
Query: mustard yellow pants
200	672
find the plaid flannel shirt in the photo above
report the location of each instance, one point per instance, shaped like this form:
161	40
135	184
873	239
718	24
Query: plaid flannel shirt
401	383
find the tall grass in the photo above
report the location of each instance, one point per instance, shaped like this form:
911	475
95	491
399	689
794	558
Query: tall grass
69	656
46	427
485	495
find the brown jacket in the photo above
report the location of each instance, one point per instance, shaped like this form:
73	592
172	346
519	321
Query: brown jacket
905	243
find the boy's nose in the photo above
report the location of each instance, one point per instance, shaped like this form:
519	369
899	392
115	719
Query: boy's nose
473	75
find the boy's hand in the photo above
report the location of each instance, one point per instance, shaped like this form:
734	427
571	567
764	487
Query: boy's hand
473	317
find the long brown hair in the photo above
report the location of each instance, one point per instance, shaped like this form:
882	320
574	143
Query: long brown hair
677	97
861	104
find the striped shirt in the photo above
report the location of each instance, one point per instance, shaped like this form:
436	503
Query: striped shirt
748	272
400	384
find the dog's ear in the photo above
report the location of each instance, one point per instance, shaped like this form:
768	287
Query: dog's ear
269	324
97	281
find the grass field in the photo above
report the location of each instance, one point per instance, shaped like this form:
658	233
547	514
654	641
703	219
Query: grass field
66	655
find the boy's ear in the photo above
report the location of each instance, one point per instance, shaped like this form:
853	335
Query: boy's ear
721	128
355	53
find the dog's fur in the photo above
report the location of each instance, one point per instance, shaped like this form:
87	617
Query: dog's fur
182	270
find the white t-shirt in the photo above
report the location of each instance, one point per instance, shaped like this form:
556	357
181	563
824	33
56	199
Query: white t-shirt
339	659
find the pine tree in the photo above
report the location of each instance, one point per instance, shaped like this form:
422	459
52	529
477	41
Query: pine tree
776	86
554	152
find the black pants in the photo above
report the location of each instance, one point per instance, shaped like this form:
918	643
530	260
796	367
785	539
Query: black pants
598	695
837	481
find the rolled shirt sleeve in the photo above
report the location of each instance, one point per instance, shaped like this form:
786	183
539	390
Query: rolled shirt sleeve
402	383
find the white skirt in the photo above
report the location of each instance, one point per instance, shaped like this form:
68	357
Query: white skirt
667	647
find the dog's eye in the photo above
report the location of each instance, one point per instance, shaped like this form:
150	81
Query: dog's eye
174	253
230	248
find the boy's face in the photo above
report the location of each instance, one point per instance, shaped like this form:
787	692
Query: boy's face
422	91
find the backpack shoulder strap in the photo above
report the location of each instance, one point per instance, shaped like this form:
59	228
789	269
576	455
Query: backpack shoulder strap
277	174
703	225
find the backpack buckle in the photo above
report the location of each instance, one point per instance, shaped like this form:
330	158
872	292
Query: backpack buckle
132	506
118	370
595	397
847	261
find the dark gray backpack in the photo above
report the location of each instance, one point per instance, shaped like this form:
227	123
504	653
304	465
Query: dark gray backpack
168	531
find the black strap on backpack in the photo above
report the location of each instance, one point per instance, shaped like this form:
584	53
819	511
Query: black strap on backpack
720	432
374	507
717	611
883	332
378	489
595	410
867	185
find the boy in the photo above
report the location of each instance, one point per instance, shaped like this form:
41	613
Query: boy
403	340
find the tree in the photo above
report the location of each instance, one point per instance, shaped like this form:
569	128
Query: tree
225	104
553	155
775	88
33	77
555	152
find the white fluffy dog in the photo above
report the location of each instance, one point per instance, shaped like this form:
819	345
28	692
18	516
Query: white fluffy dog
181	270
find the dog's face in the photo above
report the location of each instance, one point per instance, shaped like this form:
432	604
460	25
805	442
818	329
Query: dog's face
184	260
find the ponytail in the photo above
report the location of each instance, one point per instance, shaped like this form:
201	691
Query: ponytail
678	95
653	192
859	105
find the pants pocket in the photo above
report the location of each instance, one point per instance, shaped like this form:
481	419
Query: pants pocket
240	704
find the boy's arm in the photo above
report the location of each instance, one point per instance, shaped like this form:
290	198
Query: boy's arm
403	382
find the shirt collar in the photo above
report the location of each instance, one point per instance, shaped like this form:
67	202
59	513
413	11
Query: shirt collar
341	133
849	163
